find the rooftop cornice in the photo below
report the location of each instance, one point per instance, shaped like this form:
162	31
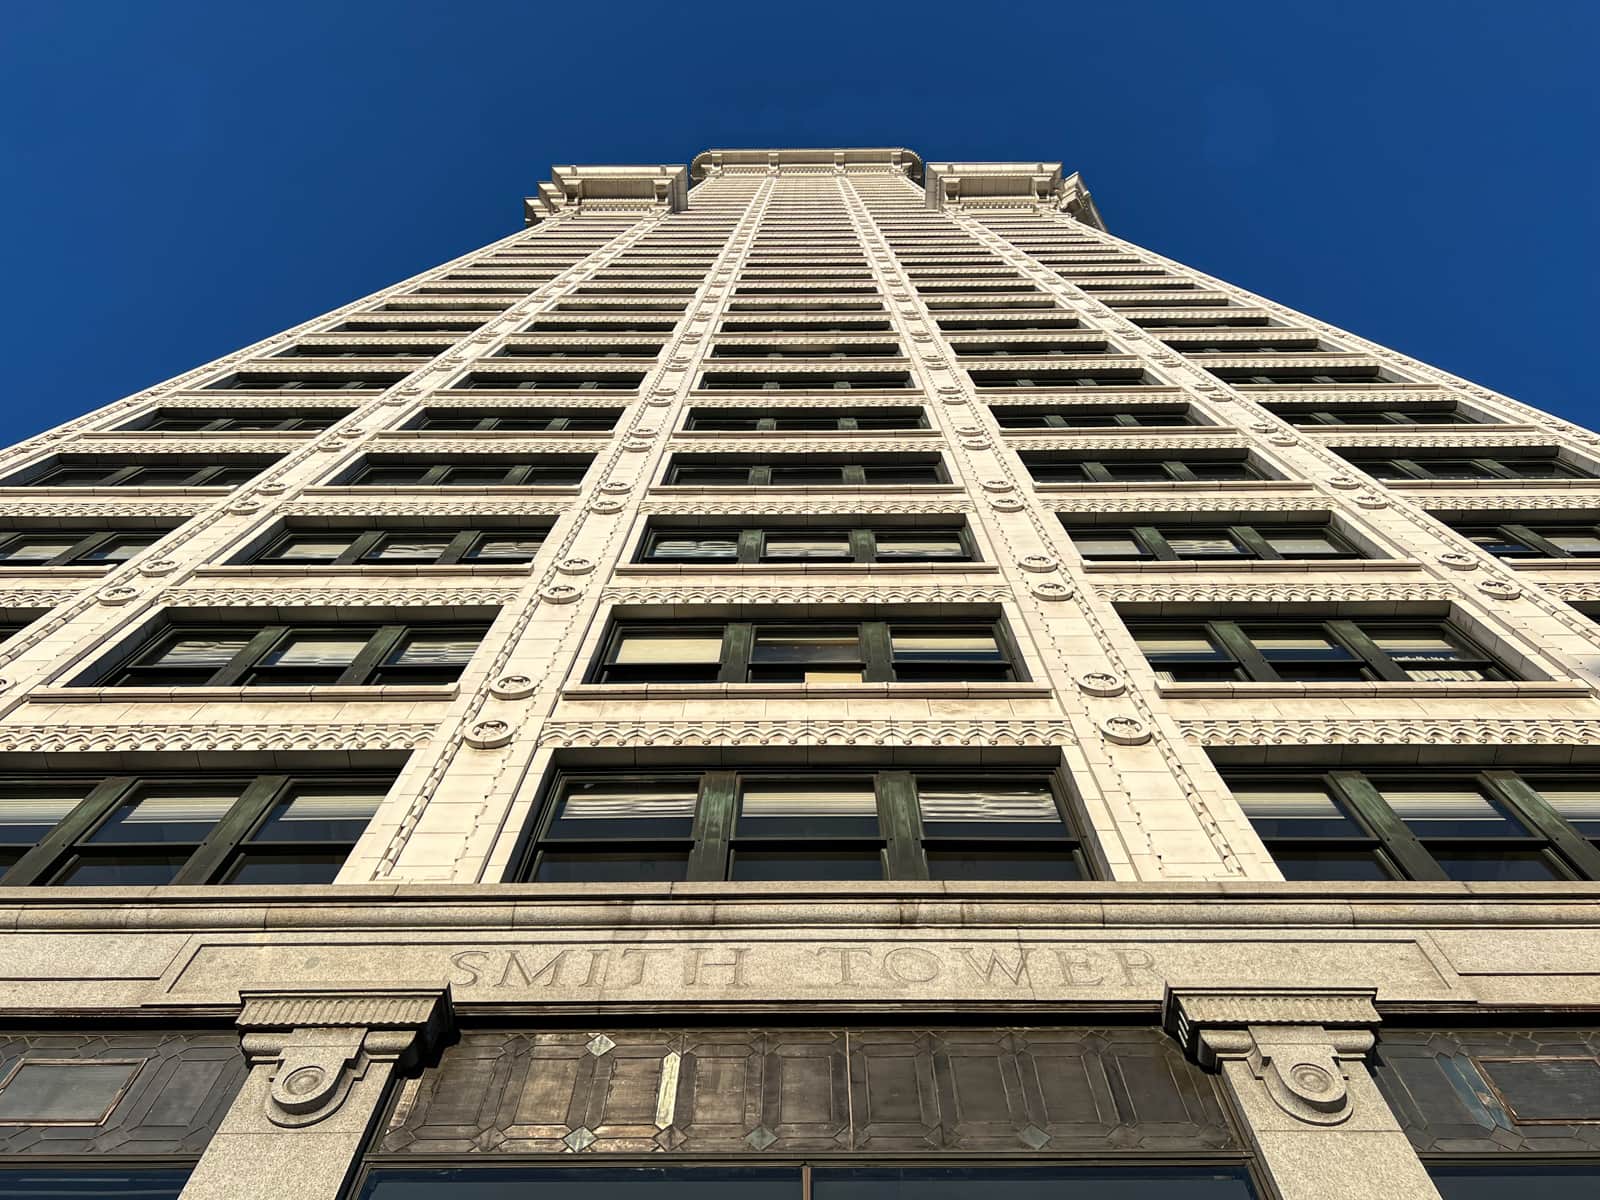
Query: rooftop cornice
712	162
613	189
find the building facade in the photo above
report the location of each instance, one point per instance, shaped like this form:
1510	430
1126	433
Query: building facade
813	674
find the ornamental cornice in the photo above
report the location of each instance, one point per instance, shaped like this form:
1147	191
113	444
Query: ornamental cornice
1126	300
1580	505
210	736
334	368
1422	731
1244	362
220	401
1421	439
840	401
578	367
513	399
1154	441
852	593
1309	399
866	506
363	597
1574	591
1104	398
384	506
1136	315
40	597
1273	593
99	507
1081	363
778	367
605	734
651	341
1210	502
180	446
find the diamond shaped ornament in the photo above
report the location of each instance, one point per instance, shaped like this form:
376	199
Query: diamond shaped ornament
1034	1137
600	1044
760	1138
580	1138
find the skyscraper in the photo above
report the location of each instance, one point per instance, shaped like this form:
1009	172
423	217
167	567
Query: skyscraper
813	674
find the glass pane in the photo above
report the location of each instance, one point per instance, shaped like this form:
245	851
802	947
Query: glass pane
24	819
286	868
1000	864
143	1183
433	648
1295	812
725	549
1222	469
1031	1183
37	548
1574	543
326	650
320	815
1300	545
976	807
830	545
643	808
1578	804
1450	812
1330	864
1108	545
944	645
588	1183
1496	542
396	548
655	648
192	653
804	645
806	864
119	549
1497	1180
1415	643
507	546
833	808
125	870
1202	544
1296	644
1495	865
654	866
166	816
1170	644
917	547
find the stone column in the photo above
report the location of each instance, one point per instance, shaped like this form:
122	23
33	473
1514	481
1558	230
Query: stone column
1293	1063
320	1065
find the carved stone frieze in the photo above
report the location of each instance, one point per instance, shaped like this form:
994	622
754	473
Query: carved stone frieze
1251	593
889	732
1462	731
250	596
851	593
210	736
1153	442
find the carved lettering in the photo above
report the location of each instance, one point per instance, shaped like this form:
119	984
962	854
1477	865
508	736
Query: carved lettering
907	964
1138	966
845	962
698	962
1077	970
460	961
1016	972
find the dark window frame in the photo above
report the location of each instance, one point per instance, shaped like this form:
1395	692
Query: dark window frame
1529	535
711	844
89	541
596	420
458	550
1407	469
1252	541
434	473
1175	470
750	542
759	472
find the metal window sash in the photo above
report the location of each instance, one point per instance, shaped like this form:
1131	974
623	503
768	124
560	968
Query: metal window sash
750	545
247	657
712	829
360	546
1534	541
1497	469
1371	810
863	545
1535	811
37	863
760	475
366	663
517	473
1246	657
435	475
900	820
1095	471
1253	541
1155	542
121	475
218	846
738	640
83	546
877	656
459	546
1356	640
853	474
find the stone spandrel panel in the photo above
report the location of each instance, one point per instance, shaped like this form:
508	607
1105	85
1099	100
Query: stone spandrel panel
1044	1090
1493	1090
146	1094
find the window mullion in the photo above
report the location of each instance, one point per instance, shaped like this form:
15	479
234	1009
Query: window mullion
863	546
1156	542
877	656
1398	841
358	549
1356	640
713	826
253	652
1254	542
81	547
854	475
458	547
212	853
1180	470
900	820
1234	640
738	639
36	863
749	549
1528	537
365	663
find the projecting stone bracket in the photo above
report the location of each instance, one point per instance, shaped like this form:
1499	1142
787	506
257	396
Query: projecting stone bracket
319	1044
1295	1044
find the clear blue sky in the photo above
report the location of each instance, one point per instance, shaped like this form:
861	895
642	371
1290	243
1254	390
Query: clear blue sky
182	179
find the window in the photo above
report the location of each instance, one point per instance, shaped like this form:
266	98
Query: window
81	470
1365	414
379	547
507	381
808	470
1102	543
1047	468
273	655
74	547
1027	417
805	651
1053	377
544	470
1542	539
214	420
261	381
801	420
803	825
1500	466
1312	651
92	1182
132	831
838	381
1463	825
529	420
804	544
822	1182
